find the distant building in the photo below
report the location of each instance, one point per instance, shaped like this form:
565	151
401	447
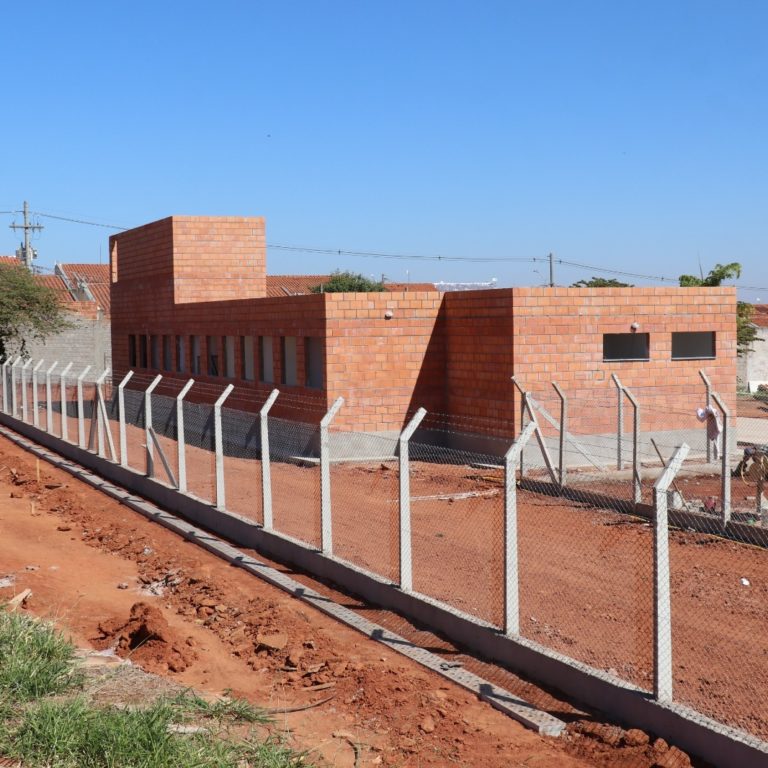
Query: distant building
753	366
83	291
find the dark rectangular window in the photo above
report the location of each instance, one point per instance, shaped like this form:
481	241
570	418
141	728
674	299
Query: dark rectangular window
142	351
132	351
266	363
626	346
212	344
181	361
288	361
313	362
691	345
246	357
154	351
167	353
228	355
194	353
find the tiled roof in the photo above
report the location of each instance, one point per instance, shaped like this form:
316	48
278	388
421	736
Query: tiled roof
760	315
292	285
96	276
59	287
299	285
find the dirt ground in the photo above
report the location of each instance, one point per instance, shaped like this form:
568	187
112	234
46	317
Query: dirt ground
111	578
586	578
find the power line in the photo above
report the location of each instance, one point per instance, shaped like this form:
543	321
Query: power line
420	257
79	221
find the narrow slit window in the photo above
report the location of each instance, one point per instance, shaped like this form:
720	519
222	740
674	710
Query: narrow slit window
142	351
229	356
288	359
167	353
181	358
132	350
195	354
266	362
246	357
313	362
212	344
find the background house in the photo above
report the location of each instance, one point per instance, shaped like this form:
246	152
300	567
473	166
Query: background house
753	366
83	291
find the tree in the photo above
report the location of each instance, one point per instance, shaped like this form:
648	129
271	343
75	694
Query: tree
746	332
601	282
715	277
28	310
348	282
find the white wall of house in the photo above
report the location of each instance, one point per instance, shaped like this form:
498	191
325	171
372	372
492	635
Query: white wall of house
753	367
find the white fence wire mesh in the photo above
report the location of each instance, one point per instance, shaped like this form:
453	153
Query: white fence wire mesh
585	506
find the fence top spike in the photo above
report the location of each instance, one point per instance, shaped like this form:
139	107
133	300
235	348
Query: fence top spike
184	390
270	401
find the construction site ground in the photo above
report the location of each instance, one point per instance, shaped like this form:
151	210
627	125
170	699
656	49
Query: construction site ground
110	578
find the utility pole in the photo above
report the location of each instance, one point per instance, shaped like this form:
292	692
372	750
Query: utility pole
25	254
551	271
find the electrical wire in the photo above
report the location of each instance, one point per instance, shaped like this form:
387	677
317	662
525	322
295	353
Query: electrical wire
421	257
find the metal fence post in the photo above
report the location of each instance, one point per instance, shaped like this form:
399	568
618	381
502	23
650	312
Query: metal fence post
102	424
662	614
619	420
48	406
24	398
35	403
326	520
725	470
266	476
14	398
5	384
180	436
511	568
80	410
63	400
121	419
708	403
218	442
149	451
637	490
563	432
406	556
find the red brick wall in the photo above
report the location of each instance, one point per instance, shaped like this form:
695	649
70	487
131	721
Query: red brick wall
480	356
452	353
384	368
558	336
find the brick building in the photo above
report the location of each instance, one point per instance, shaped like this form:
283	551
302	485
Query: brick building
190	298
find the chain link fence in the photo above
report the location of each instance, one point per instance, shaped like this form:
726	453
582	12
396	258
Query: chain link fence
551	528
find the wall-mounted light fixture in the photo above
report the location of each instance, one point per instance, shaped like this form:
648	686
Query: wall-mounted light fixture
635	326
389	314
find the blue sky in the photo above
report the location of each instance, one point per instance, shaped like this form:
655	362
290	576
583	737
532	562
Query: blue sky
626	135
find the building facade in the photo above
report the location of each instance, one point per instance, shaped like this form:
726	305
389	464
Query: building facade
190	300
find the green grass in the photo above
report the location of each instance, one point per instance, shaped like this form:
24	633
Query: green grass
70	732
35	660
73	734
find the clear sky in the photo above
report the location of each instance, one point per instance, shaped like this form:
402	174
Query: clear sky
629	135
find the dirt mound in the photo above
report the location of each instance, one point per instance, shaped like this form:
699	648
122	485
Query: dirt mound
147	640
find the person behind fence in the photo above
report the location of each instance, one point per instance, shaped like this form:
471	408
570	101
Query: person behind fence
714	427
